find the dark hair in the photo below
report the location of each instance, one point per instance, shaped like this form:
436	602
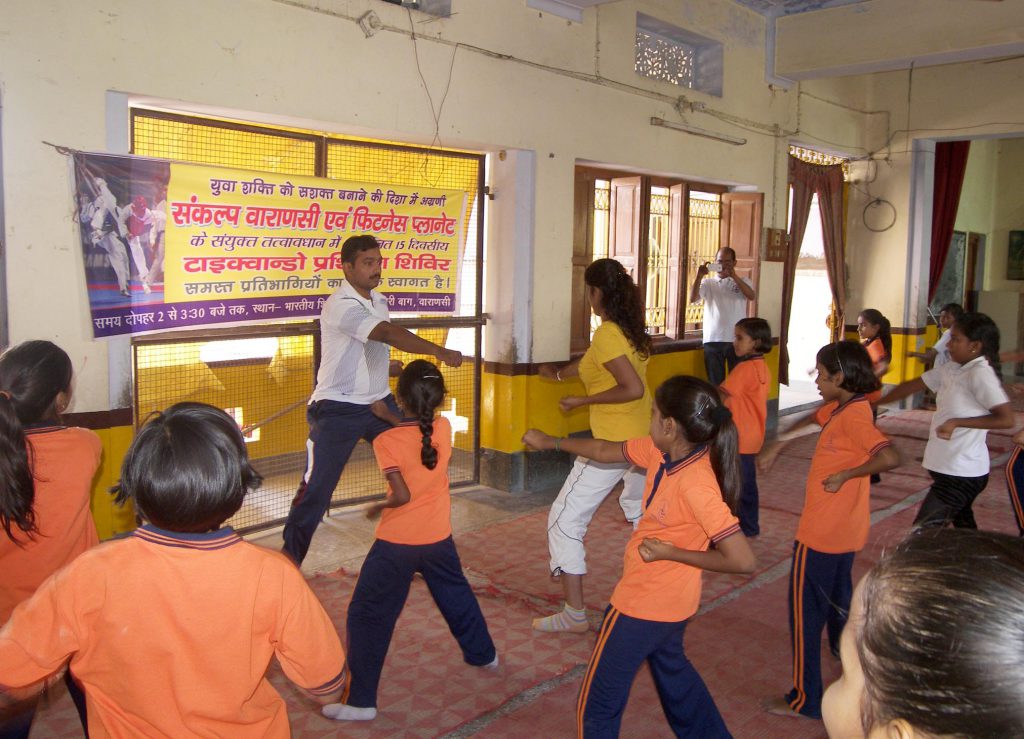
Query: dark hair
942	640
758	330
356	245
875	318
32	375
187	469
955	310
421	389
698	409
853	360
979	327
730	250
620	299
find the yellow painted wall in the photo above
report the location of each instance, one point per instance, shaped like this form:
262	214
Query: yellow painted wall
511	405
111	519
902	367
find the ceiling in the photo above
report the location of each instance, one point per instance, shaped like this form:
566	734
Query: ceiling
773	8
810	39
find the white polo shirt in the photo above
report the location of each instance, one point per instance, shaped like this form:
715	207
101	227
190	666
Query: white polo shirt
962	391
724	305
941	349
353	369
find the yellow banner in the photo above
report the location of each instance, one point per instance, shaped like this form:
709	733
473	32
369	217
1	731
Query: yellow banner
234	234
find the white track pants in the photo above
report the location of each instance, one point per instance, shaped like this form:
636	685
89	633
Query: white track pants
583	491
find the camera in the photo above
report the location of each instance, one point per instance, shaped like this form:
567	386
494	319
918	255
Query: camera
714	267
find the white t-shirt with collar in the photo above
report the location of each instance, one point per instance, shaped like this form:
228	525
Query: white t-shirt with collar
353	369
941	349
724	305
962	391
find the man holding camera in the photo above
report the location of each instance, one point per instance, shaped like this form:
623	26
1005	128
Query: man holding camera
725	299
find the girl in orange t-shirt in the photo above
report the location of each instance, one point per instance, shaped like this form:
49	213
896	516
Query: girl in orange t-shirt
687	526
836	516
414	535
745	392
46	472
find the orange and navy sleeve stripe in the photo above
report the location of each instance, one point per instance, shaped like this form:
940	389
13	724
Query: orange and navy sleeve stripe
725	533
331	685
879	447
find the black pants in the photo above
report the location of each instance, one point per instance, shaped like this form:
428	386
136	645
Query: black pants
748	507
949	501
718	355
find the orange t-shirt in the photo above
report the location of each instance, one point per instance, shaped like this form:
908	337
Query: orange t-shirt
427	517
838	522
64	461
877	353
171	635
682	505
746	395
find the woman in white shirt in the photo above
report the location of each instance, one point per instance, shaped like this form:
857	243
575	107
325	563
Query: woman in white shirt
969	400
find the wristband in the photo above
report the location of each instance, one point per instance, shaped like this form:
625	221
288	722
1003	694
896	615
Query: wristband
558	443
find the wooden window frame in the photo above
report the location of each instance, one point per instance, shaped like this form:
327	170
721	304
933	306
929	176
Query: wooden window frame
627	242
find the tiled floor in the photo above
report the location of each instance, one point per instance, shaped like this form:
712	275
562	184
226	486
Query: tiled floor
738	641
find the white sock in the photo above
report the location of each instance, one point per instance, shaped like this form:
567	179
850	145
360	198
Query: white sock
493	664
343	712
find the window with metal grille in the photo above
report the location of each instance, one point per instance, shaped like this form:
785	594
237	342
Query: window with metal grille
663	278
263	375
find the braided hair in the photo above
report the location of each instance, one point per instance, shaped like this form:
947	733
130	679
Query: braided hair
621	301
421	390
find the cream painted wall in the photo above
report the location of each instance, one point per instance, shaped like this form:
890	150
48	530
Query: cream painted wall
947	102
977	198
1007	212
520	80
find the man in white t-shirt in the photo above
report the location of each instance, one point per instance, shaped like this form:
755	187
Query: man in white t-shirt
355	335
725	297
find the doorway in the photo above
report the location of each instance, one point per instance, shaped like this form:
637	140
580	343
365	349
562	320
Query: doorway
808	323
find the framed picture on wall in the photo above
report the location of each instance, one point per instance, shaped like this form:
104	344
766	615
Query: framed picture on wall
1015	256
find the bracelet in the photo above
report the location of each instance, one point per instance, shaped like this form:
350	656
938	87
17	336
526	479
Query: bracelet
558	443
558	375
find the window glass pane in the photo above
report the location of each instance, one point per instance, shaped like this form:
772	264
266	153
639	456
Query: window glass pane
657	261
705	218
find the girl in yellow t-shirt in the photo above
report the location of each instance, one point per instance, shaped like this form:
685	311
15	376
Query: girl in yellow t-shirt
614	374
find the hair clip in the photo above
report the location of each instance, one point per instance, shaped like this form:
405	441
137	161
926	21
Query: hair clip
431	377
839	361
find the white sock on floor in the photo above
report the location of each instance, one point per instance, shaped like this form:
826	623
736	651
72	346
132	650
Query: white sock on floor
493	664
343	712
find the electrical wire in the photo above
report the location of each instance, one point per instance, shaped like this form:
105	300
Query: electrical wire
435	112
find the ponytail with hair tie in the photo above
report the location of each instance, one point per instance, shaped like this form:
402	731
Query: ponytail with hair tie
720	414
